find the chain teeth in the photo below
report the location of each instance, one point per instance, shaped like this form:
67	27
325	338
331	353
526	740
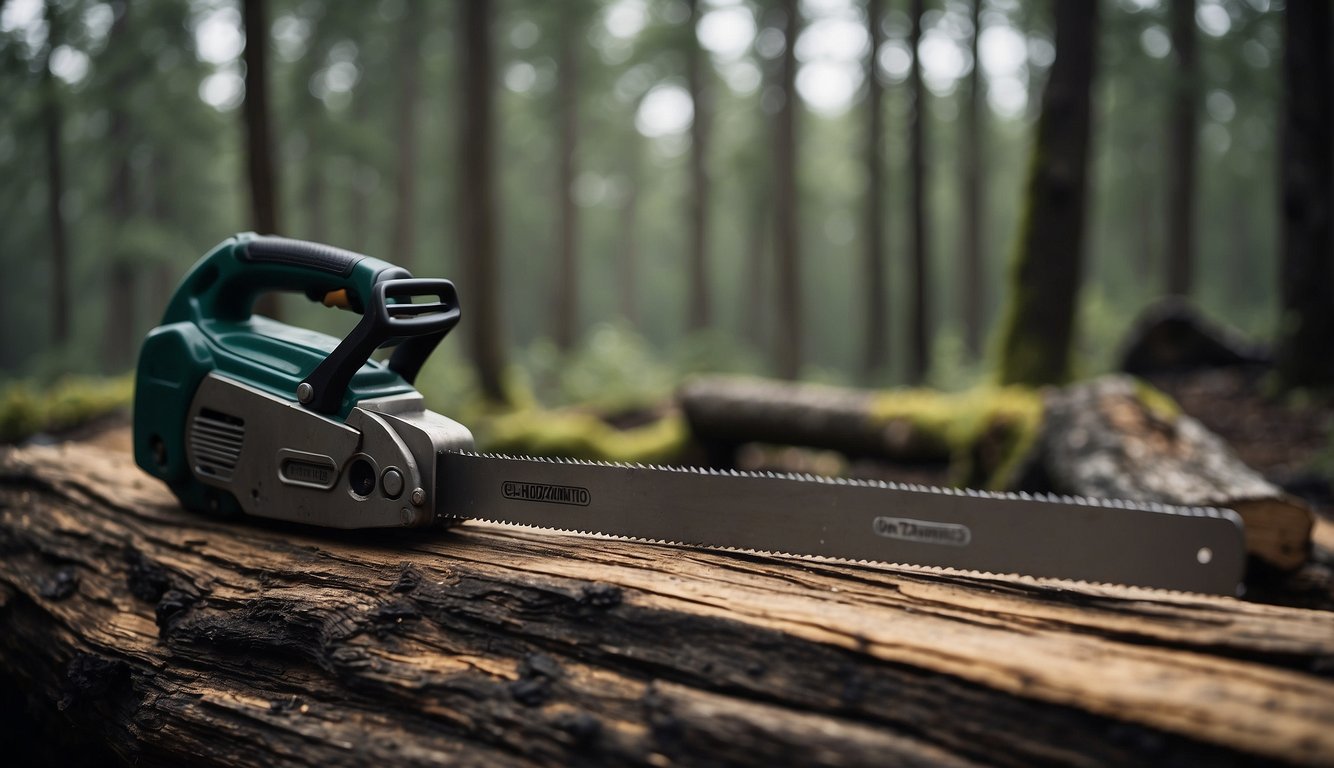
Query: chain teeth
939	570
1052	498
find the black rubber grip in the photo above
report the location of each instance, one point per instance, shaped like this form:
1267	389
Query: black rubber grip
300	253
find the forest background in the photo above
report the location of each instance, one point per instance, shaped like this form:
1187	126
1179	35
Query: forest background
664	186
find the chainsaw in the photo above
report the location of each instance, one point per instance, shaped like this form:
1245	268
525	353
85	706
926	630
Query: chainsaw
240	414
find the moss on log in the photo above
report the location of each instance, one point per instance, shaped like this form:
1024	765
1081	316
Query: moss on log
982	432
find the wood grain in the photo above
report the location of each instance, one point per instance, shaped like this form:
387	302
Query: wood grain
173	637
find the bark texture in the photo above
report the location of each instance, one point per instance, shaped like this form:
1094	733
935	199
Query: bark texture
178	638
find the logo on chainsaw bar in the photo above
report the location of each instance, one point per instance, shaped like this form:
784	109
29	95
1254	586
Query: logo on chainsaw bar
922	532
551	494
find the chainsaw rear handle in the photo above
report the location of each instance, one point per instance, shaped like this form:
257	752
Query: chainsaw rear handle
224	285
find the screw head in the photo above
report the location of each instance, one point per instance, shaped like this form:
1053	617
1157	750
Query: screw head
418	496
392	482
304	393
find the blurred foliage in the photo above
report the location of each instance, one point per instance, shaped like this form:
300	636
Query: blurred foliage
28	407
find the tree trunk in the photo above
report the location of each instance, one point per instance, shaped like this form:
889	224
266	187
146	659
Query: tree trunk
919	301
262	170
479	255
119	341
173	638
359	217
52	128
314	119
1181	147
166	272
627	254
1046	270
698	69
875	356
787	232
758	260
973	184
567	115
404	246
1306	279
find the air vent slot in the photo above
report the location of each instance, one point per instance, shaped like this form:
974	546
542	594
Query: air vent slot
215	443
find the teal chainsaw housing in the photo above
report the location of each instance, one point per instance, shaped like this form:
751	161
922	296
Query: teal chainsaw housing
209	327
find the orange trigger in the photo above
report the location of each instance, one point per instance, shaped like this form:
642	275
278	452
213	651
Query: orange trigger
338	299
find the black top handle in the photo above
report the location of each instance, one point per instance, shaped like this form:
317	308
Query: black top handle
389	318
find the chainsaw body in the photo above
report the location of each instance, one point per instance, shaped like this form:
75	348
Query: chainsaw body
240	413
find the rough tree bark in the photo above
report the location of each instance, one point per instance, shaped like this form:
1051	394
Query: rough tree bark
53	135
1306	280
262	171
1181	149
698	78
480	258
875	355
403	250
787	339
177	638
919	300
1048	261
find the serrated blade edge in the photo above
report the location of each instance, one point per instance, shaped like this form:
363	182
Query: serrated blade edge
1195	549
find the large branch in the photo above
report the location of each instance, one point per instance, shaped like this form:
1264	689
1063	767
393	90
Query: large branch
178	638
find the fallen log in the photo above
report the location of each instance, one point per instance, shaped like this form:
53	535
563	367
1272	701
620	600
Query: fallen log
1109	438
174	638
1174	335
979	431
